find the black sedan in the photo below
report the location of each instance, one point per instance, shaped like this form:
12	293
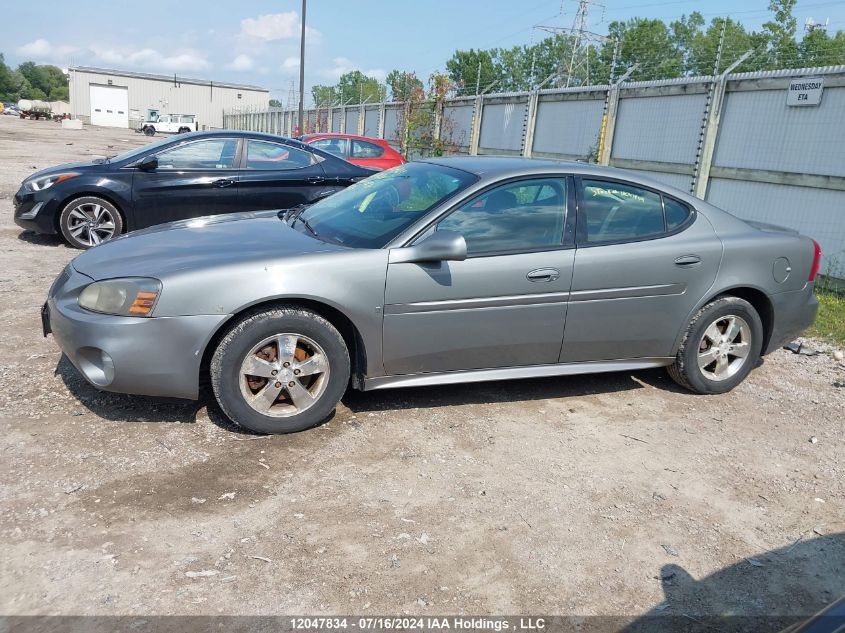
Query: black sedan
196	174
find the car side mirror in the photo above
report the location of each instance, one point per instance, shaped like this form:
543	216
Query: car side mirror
440	246
148	164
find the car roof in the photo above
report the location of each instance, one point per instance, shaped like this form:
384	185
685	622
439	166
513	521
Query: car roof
490	168
243	134
372	139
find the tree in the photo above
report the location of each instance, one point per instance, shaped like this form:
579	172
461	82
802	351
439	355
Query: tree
701	48
323	95
402	84
356	87
820	49
473	71
781	32
648	43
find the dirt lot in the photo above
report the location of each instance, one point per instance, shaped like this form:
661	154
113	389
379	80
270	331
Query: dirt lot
613	494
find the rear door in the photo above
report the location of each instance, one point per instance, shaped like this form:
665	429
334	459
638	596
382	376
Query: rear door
278	176
192	179
336	146
643	261
505	305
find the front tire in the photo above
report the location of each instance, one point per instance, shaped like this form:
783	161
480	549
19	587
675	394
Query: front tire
280	371
149	131
89	221
720	347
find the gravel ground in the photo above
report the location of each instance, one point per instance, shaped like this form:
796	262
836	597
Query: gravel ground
614	494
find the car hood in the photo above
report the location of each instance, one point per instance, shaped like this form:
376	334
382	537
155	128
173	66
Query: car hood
198	243
94	165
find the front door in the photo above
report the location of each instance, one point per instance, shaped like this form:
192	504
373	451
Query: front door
277	176
505	305
643	261
192	179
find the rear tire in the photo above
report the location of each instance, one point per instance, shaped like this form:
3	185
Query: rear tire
183	130
720	347
88	221
280	371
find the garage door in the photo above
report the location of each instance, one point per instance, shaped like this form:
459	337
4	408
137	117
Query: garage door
109	106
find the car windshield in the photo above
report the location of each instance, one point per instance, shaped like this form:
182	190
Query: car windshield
139	151
372	212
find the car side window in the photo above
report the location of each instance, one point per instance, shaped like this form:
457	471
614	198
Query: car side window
267	155
676	213
364	149
218	153
335	146
616	211
528	215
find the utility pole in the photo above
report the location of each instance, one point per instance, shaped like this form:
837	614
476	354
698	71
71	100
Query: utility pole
302	73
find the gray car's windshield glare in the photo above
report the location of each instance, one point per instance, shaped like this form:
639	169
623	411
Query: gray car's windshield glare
372	212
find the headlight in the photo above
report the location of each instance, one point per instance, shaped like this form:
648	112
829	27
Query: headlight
45	182
131	296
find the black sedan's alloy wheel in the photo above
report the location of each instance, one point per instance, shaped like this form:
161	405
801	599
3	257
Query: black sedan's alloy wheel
720	347
90	220
280	371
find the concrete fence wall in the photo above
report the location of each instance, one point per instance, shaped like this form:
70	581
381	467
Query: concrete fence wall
731	140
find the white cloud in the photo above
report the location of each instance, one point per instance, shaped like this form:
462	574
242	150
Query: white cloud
149	58
43	49
274	27
271	27
241	62
343	65
290	63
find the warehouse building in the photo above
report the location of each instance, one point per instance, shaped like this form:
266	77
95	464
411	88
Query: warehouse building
117	98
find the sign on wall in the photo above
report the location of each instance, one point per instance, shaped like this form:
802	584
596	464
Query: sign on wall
805	92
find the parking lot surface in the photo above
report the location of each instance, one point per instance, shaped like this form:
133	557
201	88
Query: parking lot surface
608	494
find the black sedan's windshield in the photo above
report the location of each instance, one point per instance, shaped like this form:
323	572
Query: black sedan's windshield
372	212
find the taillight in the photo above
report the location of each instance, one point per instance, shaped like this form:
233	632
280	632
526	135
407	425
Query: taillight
817	261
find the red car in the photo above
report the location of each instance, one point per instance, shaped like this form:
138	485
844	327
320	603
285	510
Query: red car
374	153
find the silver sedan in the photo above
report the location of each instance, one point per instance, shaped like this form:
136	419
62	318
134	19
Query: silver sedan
443	271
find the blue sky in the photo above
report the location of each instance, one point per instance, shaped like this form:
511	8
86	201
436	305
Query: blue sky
257	42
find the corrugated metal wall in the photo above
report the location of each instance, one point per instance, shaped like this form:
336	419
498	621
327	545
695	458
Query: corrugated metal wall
502	127
371	121
457	125
568	129
352	121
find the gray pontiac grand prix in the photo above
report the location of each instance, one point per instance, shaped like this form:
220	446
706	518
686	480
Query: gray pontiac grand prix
442	271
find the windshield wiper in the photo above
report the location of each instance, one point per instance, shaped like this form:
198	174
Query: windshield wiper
295	213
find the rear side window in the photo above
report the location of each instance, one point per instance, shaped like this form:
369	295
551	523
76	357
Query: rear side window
336	146
363	149
615	211
265	155
676	213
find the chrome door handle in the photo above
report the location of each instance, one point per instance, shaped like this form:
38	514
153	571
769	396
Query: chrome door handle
543	274
223	182
688	260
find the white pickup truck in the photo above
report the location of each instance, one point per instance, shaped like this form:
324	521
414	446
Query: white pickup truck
171	124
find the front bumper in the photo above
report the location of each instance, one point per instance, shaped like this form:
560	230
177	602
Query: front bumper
155	356
36	210
793	313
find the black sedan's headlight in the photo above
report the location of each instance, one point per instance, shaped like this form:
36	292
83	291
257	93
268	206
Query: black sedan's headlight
129	296
45	182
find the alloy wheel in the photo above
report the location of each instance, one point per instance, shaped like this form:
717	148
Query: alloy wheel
724	347
284	375
91	223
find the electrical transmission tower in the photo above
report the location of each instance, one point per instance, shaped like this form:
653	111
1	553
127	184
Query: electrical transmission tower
576	67
292	99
